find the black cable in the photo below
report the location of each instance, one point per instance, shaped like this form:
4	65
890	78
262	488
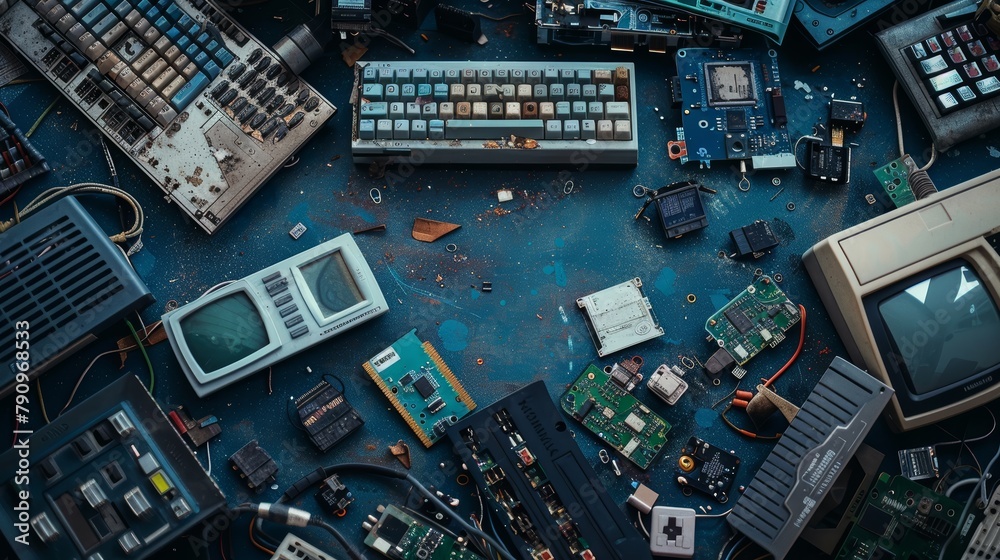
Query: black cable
316	522
339	381
292	420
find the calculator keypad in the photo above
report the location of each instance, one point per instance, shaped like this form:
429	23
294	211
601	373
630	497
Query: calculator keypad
960	66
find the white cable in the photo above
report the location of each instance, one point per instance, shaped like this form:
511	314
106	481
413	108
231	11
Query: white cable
642	524
795	148
723	514
899	129
968	503
208	453
961	483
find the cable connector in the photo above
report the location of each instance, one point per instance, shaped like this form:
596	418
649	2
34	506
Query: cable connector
284	515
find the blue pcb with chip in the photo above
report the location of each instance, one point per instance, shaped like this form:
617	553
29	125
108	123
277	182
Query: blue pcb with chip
732	108
420	386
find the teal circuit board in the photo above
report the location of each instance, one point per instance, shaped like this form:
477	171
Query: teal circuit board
754	320
420	386
400	536
894	178
732	108
615	416
902	519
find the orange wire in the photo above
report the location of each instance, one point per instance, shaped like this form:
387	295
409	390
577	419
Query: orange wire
795	356
254	541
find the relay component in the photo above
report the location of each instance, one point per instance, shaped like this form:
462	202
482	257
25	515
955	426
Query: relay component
254	466
327	416
753	240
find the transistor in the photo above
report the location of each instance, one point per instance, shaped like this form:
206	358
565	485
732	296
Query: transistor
753	240
254	465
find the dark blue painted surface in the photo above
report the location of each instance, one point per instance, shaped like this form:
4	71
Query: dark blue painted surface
542	250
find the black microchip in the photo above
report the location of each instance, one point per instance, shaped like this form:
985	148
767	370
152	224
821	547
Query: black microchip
753	239
327	416
828	163
406	379
681	210
850	115
778	107
254	465
736	121
739	320
435	405
875	520
392	529
424	387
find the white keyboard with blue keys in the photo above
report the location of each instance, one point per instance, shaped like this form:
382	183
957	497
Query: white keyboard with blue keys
495	113
207	111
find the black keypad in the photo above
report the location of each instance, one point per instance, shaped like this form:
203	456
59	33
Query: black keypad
960	66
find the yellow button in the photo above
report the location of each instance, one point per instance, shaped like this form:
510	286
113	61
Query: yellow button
161	482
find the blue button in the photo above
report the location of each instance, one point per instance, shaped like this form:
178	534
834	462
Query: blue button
372	92
173	34
173	12
105	25
185	22
144	6
211	68
192	51
94	16
366	129
424	90
223	57
183	41
123	9
212	46
163	24
440	92
189	91
203	39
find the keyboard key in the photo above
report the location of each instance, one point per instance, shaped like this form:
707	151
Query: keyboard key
933	65
418	130
571	130
947	101
972	70
966	94
588	129
190	90
474	92
989	85
944	81
383	129
623	130
492	130
401	130
546	110
429	111
933	45
435	129
396	109
605	130
372	92
991	63
616	110
956	55
976	48
479	110
512	110
964	33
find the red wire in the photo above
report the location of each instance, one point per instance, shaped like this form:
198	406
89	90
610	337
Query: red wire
795	356
12	195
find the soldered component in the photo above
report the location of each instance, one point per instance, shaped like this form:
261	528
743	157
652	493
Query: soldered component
707	468
334	496
754	320
297	230
754	240
326	415
918	463
254	466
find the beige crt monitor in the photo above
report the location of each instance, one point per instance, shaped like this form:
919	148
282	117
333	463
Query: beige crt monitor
914	295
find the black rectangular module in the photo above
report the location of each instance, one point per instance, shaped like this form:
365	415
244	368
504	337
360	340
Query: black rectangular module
828	163
327	416
812	452
105	476
544	484
849	115
739	319
254	465
681	210
753	239
351	10
460	24
707	468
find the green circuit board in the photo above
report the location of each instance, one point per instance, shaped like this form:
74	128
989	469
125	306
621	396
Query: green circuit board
617	417
400	536
754	320
420	386
902	519
894	178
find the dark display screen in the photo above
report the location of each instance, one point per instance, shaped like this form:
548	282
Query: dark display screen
224	332
331	284
945	328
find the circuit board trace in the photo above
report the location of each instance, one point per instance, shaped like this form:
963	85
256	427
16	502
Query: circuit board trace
615	416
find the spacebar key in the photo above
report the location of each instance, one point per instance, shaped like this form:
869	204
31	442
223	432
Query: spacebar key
493	130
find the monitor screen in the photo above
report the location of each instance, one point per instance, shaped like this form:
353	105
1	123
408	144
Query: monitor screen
224	332
945	328
331	284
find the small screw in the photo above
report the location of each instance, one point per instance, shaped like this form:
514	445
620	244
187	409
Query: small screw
776	181
790	206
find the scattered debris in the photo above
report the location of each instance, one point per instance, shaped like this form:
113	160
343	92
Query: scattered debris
379	227
297	231
487	286
401	451
428	230
505	195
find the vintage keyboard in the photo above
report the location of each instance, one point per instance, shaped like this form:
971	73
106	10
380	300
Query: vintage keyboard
206	110
495	112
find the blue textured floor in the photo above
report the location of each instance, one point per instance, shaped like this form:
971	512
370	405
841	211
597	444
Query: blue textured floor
541	251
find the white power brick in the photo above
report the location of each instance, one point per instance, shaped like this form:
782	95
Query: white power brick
672	534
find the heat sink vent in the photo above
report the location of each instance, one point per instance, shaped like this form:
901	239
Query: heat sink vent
60	274
812	452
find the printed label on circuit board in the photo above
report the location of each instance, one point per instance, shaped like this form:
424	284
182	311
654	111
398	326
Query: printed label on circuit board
753	320
615	416
420	386
707	468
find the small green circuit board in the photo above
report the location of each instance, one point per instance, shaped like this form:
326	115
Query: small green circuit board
616	416
420	386
754	320
902	519
400	536
894	178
